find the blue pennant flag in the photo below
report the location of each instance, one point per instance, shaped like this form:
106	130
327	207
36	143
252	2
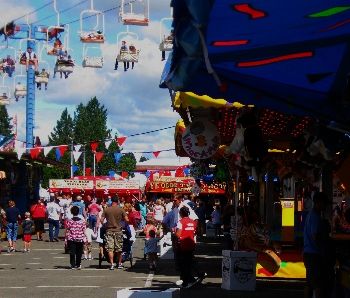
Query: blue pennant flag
111	174
75	168
147	174
187	171
117	156
58	154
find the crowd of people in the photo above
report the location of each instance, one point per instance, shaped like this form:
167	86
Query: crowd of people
107	221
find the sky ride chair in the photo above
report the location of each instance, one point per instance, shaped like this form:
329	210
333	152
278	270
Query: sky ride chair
54	32
4	93
42	77
165	38
20	89
96	33
5	67
91	61
132	53
130	16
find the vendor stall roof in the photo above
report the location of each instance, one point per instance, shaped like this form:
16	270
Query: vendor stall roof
289	56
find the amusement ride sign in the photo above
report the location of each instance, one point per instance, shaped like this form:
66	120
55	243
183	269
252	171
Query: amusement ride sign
201	139
71	183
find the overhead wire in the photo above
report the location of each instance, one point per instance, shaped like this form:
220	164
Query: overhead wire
61	11
29	13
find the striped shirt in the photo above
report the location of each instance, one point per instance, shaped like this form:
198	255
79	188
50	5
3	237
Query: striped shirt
76	229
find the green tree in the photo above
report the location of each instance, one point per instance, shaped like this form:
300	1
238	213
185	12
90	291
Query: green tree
63	131
5	122
127	163
62	134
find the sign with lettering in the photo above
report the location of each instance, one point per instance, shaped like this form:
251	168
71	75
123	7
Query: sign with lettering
201	139
117	184
71	184
183	186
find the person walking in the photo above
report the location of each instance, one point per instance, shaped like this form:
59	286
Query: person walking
114	215
12	215
53	218
38	212
93	210
76	237
316	250
185	232
27	226
80	204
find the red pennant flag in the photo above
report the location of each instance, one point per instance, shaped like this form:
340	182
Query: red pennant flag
99	156
93	146
34	152
121	140
167	173
161	173
180	172
156	154
88	172
125	174
63	149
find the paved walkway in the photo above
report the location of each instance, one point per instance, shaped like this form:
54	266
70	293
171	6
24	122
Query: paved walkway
44	272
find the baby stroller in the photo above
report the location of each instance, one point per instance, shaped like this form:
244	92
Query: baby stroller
126	250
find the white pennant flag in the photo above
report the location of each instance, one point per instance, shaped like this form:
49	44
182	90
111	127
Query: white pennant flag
138	156
76	155
20	152
47	150
108	143
77	147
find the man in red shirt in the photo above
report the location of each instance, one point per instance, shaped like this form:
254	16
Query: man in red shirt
185	232
38	212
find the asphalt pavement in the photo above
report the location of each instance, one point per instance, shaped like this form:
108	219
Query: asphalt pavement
45	272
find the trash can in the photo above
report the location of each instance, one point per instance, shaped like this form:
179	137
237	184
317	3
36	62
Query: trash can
239	270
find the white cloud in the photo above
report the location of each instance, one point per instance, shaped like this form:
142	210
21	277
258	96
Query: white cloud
134	101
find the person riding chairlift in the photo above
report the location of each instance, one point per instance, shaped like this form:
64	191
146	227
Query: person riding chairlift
29	57
124	49
8	65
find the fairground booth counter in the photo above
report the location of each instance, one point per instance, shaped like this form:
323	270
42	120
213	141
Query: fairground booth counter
271	163
99	187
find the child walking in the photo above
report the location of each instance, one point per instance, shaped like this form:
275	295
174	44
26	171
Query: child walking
76	237
148	227
151	249
27	226
89	233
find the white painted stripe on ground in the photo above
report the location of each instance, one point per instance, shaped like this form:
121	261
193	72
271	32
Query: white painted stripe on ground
6	254
47	249
13	287
33	263
68	286
5	264
158	277
36	258
89	276
118	287
53	269
60	257
149	279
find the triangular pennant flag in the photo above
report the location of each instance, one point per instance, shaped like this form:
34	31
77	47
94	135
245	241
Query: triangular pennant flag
75	168
99	156
125	174
76	155
167	173
94	146
77	147
47	150
117	156
58	154
34	152
111	174
20	152
63	149
186	171
137	156
156	153
88	172
121	140
108	143
147	174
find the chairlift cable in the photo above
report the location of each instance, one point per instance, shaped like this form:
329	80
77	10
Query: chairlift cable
104	11
29	13
61	11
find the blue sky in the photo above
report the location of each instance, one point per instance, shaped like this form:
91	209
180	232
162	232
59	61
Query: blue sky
133	99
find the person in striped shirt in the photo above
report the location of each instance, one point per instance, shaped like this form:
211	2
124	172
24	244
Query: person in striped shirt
75	230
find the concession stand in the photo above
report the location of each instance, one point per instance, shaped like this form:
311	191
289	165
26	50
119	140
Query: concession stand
100	186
